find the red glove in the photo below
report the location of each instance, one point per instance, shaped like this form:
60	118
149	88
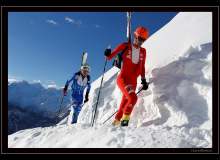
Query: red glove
64	89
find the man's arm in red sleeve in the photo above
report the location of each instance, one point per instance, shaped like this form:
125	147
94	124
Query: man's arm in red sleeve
118	49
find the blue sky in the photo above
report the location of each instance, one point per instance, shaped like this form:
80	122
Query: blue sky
47	47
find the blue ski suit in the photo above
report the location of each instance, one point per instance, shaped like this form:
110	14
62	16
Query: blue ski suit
76	95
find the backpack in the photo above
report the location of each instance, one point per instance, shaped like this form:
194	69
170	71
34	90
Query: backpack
118	59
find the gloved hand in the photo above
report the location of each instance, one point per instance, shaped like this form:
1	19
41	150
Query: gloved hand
144	83
86	97
107	52
64	89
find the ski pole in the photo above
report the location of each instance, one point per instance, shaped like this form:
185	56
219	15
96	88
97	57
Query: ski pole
111	116
118	109
100	88
139	91
60	107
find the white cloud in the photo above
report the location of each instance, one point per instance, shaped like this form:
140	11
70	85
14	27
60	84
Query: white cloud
49	81
79	23
51	21
11	80
32	23
69	19
37	81
53	86
97	26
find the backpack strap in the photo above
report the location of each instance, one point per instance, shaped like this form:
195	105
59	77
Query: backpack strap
119	57
78	73
123	52
77	76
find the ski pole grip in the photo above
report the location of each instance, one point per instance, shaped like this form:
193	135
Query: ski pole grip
109	46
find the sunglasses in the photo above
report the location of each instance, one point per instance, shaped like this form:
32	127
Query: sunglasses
141	39
86	69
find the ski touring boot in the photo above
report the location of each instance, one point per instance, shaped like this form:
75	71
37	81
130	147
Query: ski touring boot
74	118
116	122
73	122
125	120
124	123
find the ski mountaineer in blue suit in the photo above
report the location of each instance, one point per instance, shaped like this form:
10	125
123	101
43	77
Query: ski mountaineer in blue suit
81	80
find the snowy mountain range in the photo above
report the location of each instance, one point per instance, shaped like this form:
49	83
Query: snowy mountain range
34	97
35	105
175	112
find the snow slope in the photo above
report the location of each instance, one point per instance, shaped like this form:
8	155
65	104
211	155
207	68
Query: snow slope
175	112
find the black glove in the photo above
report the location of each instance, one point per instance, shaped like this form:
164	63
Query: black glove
86	97
144	83
107	52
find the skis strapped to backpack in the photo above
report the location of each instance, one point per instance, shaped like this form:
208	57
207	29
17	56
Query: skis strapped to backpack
119	57
128	27
84	58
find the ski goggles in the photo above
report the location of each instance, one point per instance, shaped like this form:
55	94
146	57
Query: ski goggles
86	69
141	39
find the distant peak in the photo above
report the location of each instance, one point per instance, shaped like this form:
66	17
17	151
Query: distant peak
22	81
38	85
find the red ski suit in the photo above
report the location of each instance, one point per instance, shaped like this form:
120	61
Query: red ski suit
127	79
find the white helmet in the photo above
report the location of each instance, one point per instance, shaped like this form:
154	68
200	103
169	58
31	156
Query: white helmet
85	67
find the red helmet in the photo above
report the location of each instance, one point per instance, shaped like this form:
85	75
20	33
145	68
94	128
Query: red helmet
141	32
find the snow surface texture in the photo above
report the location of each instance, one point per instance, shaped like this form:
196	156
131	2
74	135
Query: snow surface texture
175	112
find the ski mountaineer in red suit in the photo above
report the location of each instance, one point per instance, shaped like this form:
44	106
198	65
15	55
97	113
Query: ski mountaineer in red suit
133	66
